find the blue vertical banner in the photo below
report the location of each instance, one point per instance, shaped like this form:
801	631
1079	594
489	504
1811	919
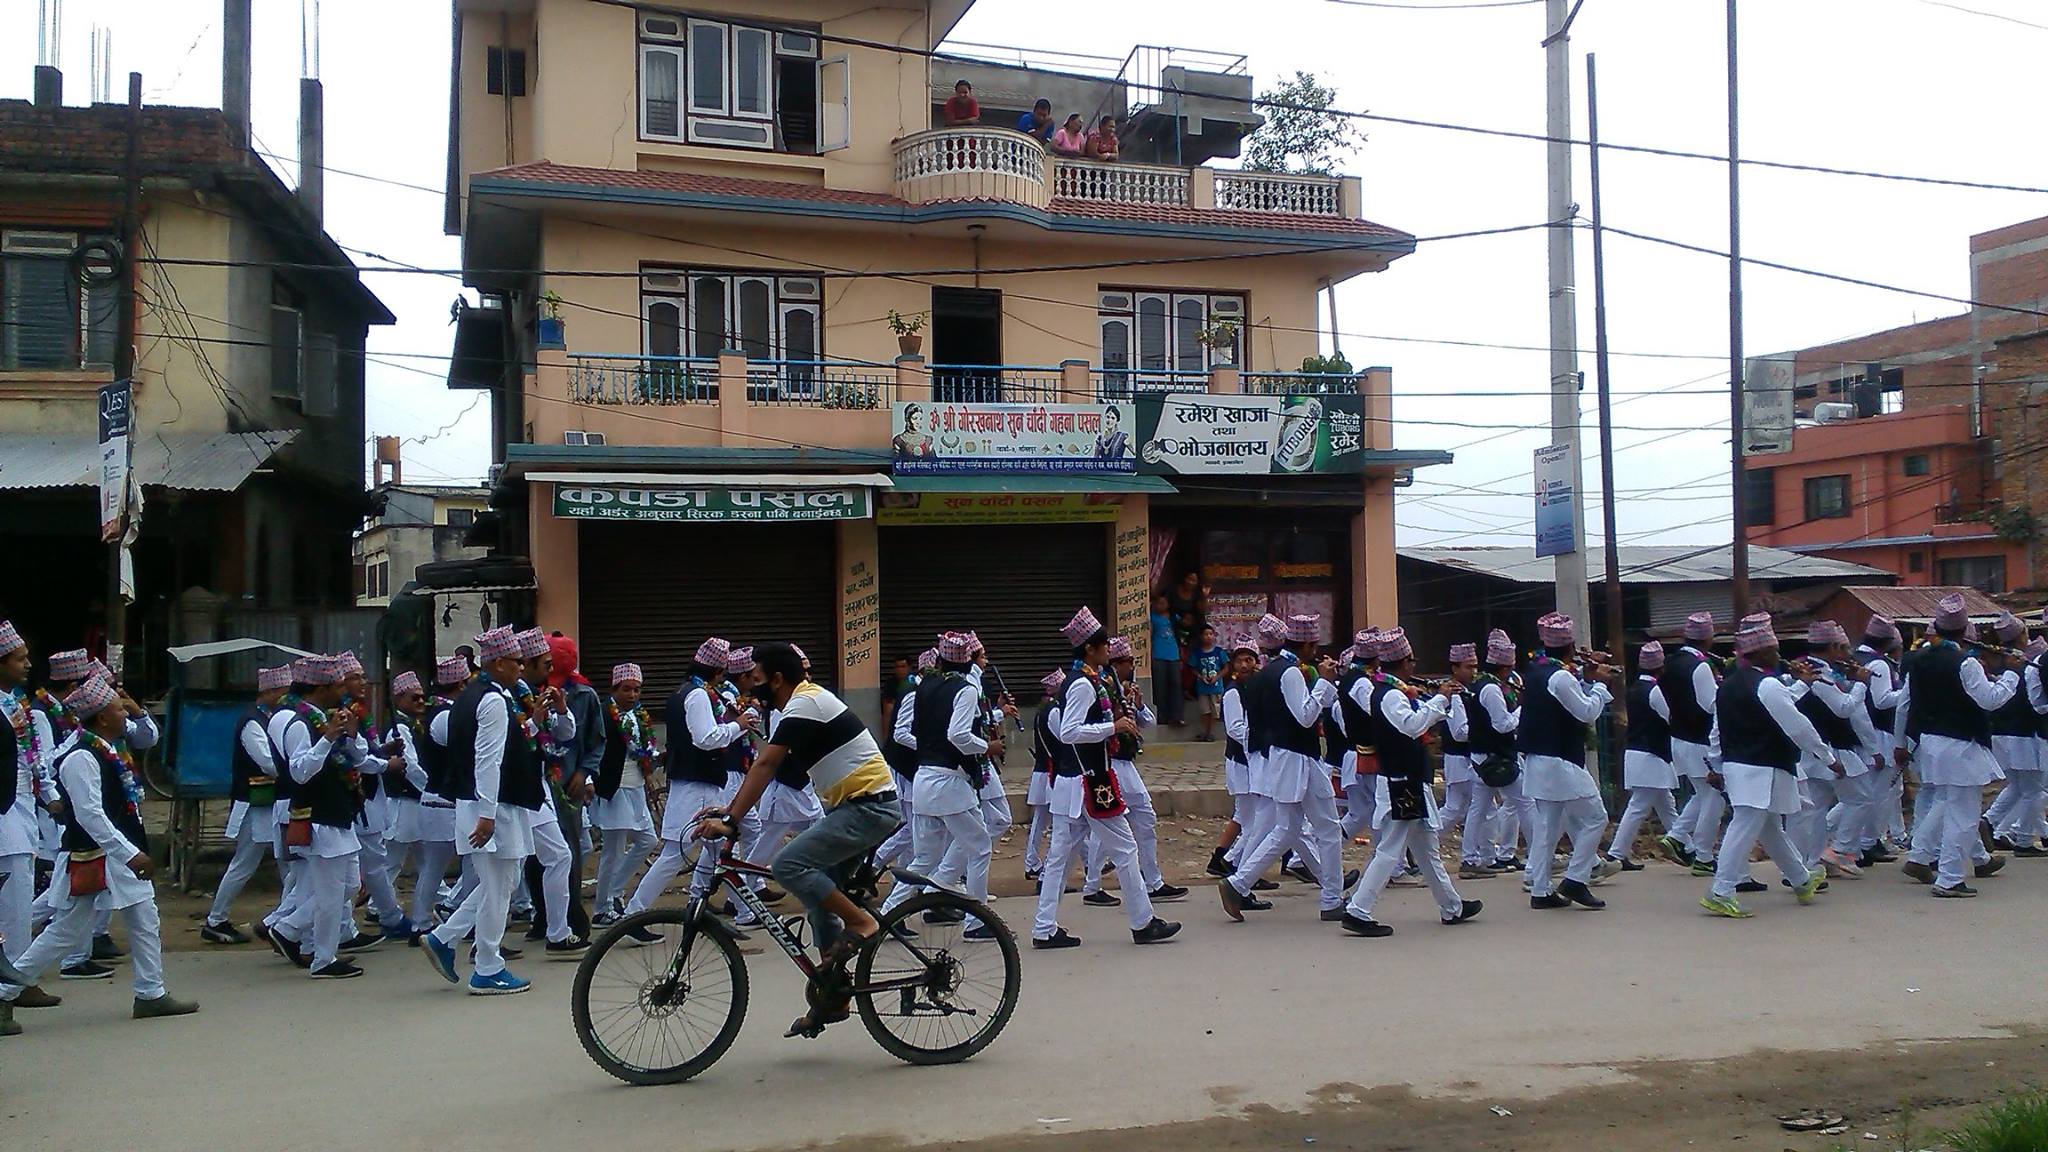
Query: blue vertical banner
115	398
1557	529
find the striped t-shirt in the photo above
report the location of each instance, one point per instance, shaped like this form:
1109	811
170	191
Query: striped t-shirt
823	737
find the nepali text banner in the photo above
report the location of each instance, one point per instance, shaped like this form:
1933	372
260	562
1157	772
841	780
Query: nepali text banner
926	508
939	437
1226	435
609	502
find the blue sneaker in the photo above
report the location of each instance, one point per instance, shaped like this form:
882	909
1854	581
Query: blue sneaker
441	956
502	984
403	932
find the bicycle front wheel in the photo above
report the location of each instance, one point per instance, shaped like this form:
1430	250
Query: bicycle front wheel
661	1012
934	994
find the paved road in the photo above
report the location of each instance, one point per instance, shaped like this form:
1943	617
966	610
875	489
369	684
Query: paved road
1268	1012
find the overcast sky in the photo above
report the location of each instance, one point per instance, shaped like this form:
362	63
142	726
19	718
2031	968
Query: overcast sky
1907	86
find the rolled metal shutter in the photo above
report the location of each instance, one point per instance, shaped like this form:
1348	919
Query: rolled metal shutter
652	592
1013	585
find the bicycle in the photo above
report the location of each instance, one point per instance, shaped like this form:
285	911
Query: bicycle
665	1011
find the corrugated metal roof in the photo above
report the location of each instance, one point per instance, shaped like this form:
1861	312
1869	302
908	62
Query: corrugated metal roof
183	461
1650	564
1917	604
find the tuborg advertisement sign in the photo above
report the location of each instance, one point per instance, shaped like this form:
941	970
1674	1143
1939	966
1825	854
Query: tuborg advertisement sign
1220	435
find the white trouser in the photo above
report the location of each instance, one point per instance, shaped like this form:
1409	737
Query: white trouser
1068	835
1892	804
2016	813
1252	833
1808	827
898	847
1359	801
376	877
995	815
1699	824
968	849
1746	828
1459	800
624	850
551	850
17	903
1581	821
251	850
485	911
668	864
1240	815
774	834
73	927
323	913
749	843
292	868
1145	828
1309	828
430	867
1961	807
1398	842
1856	814
1934	807
1642	802
1516	818
1041	826
102	920
465	882
929	840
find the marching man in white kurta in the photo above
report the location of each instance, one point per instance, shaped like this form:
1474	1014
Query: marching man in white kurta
1646	762
1879	652
1949	701
1834	701
2017	814
2015	741
696	775
252	789
1557	709
1244	661
1759	736
102	865
1690	685
1502	809
943	723
22	784
324	754
620	811
1121	679
422	820
1462	789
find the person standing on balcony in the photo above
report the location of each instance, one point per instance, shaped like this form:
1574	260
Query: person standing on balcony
1072	137
1102	142
962	110
1038	123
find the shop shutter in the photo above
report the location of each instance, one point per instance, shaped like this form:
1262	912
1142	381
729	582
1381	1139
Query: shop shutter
652	592
1015	586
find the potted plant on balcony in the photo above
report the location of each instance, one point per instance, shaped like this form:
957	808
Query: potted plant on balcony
909	331
1220	337
552	334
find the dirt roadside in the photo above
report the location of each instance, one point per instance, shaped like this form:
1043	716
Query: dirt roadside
1903	1095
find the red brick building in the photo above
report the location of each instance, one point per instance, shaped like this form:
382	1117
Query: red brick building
1919	449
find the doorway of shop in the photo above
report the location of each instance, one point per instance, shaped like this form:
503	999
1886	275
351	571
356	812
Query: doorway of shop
967	345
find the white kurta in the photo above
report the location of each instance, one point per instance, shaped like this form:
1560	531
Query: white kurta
1554	777
1846	703
1458	768
1237	774
79	770
305	758
1292	773
1493	706
1687	758
512	827
1760	785
1947	761
938	790
1072	728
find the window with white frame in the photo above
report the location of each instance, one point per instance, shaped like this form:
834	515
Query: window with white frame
702	312
708	81
1149	336
50	318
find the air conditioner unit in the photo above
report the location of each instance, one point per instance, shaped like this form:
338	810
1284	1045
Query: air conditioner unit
586	439
1833	413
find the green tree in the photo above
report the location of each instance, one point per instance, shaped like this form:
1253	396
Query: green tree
1301	133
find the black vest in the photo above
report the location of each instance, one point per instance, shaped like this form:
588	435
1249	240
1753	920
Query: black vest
1360	729
519	775
1836	730
1091	759
1272	725
1546	728
331	796
1647	731
1402	757
686	761
10	760
2016	717
401	788
1937	704
287	787
113	800
936	697
1121	747
1881	719
1749	734
1048	754
1453	746
1482	738
243	770
373	777
433	756
1232	749
612	768
734	755
1690	721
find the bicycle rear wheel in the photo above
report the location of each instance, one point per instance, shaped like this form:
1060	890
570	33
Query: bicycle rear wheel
650	1016
940	996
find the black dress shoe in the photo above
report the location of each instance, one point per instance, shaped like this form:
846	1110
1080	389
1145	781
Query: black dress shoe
2001	844
1351	879
1265	885
222	934
1990	867
2029	852
338	970
104	949
1750	887
1333	915
1059	939
1233	900
1959	892
1299	872
1157	932
1101	899
361	942
1360	926
1466	912
1626	864
1509	864
981	932
1217	866
945	916
1167	893
1579	894
1551	901
642	935
568	949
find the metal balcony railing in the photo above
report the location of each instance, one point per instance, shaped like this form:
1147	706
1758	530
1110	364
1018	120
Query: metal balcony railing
643	380
819	384
1299	383
995	384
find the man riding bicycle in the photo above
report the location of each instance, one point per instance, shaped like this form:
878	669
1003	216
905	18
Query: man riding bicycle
814	737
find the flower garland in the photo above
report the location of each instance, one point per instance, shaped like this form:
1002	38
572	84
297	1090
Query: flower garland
62	722
538	740
24	726
121	757
639	739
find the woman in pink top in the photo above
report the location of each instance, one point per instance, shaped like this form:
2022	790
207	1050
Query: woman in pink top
1102	145
1072	138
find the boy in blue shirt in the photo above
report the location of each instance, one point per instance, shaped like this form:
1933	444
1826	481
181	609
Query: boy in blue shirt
1208	663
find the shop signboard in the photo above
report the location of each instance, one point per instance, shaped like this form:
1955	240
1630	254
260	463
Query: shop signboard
930	508
711	503
1557	502
935	438
1235	616
1199	434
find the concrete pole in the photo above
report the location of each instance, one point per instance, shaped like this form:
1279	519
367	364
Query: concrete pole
1572	593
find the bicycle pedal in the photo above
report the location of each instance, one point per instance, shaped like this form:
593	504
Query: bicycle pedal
808	1032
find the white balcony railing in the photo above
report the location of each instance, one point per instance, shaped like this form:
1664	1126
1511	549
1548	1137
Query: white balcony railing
970	164
1279	192
1121	183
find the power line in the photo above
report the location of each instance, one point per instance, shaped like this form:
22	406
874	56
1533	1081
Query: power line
1979	12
